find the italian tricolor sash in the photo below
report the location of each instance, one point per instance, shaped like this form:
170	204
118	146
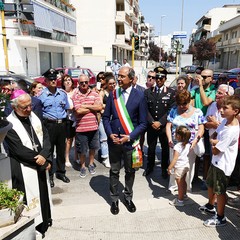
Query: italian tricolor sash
127	125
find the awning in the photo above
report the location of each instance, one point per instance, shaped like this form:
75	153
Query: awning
70	26
42	18
57	21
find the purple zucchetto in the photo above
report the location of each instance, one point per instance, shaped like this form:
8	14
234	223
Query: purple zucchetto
17	93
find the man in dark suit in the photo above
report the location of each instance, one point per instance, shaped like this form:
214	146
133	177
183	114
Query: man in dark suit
124	101
135	85
159	99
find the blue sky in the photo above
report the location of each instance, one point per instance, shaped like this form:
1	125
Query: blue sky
193	10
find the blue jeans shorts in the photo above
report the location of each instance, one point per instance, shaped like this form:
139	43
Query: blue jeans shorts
87	140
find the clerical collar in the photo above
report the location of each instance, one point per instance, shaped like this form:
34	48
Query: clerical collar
22	119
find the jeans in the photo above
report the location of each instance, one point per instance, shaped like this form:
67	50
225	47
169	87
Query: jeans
103	141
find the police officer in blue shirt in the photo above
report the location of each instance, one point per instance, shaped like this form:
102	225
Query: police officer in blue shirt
55	103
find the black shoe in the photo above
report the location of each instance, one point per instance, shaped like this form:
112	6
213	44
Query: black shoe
114	208
130	206
147	171
52	183
64	178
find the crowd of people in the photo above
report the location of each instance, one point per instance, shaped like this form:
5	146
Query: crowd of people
196	123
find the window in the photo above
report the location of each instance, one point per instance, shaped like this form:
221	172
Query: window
234	34
87	50
226	36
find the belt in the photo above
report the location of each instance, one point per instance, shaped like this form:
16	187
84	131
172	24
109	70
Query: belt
58	121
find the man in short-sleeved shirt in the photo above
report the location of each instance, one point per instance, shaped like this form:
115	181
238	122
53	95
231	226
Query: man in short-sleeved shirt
205	94
86	104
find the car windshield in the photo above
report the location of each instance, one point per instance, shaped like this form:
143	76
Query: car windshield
74	73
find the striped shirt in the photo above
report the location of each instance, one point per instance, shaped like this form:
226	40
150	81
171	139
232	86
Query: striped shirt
86	122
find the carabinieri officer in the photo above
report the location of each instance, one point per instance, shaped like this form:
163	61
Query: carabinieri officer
55	104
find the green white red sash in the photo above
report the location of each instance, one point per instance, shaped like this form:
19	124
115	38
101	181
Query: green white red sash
128	127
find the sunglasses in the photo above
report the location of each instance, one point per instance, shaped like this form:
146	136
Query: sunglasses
102	78
52	80
204	77
159	78
84	82
149	76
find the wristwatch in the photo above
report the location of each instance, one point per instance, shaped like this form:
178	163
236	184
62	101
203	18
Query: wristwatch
128	138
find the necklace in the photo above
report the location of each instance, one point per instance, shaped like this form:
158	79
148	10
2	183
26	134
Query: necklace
34	145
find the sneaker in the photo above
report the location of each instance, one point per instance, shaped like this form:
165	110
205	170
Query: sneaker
106	162
176	203
185	198
83	172
91	169
215	222
205	209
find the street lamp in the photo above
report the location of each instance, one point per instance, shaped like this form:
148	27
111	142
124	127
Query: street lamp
160	54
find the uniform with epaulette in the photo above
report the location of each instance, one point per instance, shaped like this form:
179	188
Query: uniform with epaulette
55	103
159	99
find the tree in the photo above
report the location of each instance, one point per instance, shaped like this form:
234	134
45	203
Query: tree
154	51
204	49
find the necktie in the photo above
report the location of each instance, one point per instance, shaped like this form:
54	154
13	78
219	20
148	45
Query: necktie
123	95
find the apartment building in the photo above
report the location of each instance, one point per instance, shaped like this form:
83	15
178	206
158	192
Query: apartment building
105	29
228	45
212	19
40	35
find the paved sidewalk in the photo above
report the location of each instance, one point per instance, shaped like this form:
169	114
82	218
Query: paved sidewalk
82	211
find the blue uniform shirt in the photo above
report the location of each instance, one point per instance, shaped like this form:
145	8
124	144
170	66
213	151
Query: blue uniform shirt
54	105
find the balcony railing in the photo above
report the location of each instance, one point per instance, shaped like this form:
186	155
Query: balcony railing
29	29
62	4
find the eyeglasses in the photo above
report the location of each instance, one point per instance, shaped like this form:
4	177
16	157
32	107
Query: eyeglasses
204	77
84	82
149	76
25	108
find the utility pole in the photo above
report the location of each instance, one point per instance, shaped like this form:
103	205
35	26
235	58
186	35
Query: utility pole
4	36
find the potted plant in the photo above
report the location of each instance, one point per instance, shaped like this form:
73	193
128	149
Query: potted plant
11	205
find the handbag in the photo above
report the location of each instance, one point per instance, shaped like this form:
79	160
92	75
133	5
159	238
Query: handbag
199	149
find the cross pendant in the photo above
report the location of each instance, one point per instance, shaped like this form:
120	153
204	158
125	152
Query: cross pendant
34	145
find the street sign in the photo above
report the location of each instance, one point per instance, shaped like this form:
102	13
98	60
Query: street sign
180	34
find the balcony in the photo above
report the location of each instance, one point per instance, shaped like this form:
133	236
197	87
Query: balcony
219	44
64	5
234	41
226	42
133	15
120	39
28	29
120	17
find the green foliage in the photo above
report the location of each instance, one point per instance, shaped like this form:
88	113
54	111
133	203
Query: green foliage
203	49
154	52
9	198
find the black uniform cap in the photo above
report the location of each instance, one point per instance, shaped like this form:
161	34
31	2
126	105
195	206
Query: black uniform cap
51	74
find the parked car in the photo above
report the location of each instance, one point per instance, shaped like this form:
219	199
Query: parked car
11	76
230	74
190	69
74	73
172	68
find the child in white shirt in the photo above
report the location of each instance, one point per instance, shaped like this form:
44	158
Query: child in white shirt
180	163
224	148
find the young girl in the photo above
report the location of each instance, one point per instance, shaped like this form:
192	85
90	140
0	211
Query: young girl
180	163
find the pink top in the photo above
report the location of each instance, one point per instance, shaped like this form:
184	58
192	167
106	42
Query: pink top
86	122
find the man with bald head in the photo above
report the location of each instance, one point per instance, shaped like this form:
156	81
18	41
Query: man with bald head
203	97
